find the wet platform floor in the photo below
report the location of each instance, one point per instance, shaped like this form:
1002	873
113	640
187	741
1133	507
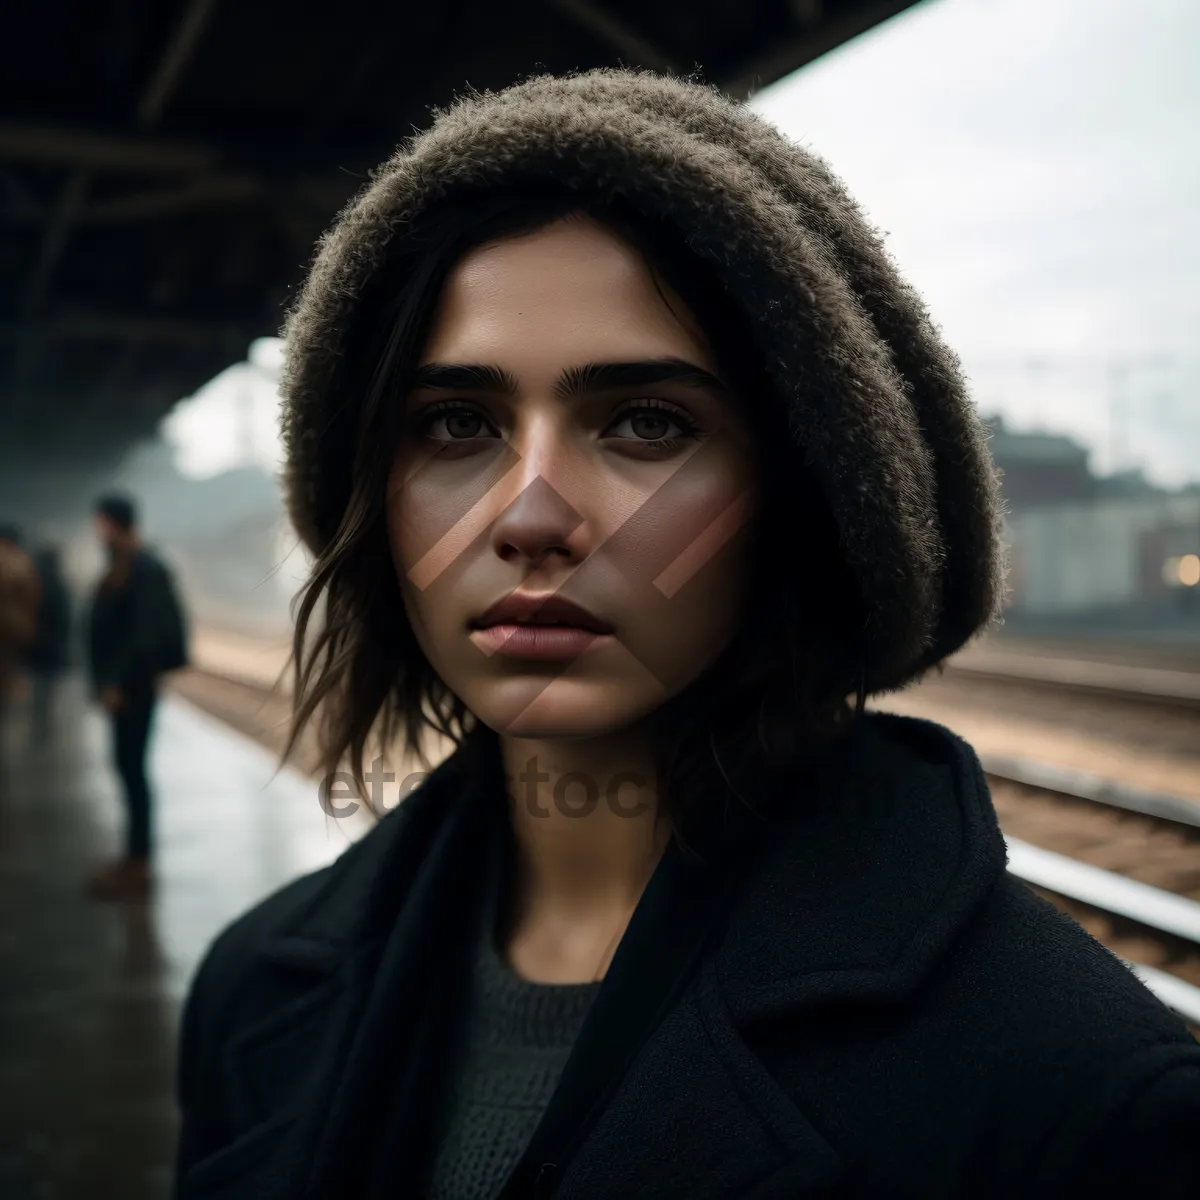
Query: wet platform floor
91	992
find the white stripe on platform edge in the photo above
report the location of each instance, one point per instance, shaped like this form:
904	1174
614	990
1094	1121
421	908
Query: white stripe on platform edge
1175	993
1113	893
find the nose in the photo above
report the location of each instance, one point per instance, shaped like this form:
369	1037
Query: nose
539	525
544	520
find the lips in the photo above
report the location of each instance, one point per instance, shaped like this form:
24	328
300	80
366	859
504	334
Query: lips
550	610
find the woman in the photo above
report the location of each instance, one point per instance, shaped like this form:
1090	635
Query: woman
676	918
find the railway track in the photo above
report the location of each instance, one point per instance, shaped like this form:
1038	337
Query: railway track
1128	682
1123	862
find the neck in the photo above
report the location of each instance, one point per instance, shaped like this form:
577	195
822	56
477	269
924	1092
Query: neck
586	819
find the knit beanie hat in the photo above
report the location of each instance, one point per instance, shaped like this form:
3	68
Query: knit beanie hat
876	402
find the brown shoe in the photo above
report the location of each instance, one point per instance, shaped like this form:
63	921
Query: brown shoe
122	879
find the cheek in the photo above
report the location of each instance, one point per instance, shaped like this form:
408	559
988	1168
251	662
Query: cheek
438	523
686	615
694	564
688	524
440	508
679	566
423	507
695	526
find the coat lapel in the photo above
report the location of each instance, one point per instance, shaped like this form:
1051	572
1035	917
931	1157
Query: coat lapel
858	897
698	1115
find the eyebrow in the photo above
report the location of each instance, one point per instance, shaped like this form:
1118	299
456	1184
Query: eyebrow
610	377
575	381
464	377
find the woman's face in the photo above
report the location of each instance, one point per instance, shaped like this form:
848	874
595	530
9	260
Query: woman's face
567	437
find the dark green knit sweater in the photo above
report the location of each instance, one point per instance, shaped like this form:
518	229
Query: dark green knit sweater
512	1048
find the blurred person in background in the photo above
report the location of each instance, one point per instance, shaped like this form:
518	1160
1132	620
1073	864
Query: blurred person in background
631	466
137	632
50	653
20	593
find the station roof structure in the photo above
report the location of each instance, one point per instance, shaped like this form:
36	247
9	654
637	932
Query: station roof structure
167	165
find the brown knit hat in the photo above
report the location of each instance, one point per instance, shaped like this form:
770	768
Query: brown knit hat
876	402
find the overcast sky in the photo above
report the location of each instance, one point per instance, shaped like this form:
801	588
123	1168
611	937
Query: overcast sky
1036	166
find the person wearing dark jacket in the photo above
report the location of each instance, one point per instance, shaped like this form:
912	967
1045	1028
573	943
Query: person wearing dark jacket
50	653
630	468
136	633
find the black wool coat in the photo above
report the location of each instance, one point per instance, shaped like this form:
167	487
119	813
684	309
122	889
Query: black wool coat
861	1003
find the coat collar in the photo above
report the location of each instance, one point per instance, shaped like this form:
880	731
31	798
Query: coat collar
886	853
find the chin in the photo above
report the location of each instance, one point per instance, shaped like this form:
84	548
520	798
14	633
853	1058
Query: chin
561	708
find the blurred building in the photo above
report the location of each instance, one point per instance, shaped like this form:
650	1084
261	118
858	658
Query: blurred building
224	534
1125	561
1093	553
1040	468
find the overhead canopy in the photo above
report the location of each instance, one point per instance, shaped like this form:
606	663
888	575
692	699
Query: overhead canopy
166	165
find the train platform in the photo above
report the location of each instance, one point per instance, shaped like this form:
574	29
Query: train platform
92	991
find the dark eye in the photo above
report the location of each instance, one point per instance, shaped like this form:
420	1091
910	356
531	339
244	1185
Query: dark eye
464	425
652	423
651	426
452	423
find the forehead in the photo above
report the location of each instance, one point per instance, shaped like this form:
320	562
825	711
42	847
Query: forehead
573	292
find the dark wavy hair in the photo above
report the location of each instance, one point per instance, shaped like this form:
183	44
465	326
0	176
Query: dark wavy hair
779	689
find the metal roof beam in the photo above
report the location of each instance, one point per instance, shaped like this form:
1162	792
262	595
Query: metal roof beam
174	62
207	192
637	51
74	192
811	41
56	145
116	327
